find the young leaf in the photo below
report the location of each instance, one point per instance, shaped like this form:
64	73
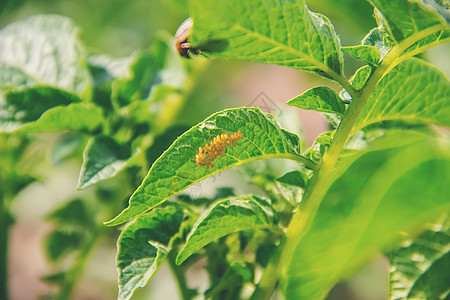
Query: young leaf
413	91
295	178
419	268
43	50
322	99
225	217
320	146
375	39
372	195
103	158
176	169
143	246
283	32
360	77
368	54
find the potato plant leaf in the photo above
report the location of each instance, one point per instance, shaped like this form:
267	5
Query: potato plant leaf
103	158
420	22
360	77
236	275
375	39
405	18
283	32
320	146
74	212
419	267
372	195
225	217
143	246
176	169
368	54
44	109
61	241
295	178
159	65
414	91
322	99
44	50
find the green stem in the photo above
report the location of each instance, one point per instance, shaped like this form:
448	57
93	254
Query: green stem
319	183
5	225
177	271
266	285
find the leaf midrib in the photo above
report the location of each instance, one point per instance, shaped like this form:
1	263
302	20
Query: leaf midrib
275	43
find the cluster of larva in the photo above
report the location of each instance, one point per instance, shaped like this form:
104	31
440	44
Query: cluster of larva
216	148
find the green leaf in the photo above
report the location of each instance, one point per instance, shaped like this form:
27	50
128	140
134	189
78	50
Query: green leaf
62	241
360	77
158	66
368	54
143	246
103	158
371	196
79	117
419	268
176	169
283	32
236	275
322	99
43	109
67	145
414	91
295	178
320	146
225	217
74	212
375	38
405	18
44	50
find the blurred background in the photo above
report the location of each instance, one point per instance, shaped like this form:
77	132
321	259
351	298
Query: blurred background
119	28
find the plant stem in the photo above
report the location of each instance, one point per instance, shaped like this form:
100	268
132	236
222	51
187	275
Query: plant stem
178	273
319	183
5	225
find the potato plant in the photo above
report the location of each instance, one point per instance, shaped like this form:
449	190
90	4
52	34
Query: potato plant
378	181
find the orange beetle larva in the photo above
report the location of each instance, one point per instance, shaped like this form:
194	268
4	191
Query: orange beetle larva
207	154
181	38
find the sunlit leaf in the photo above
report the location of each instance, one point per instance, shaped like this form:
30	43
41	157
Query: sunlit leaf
368	54
295	178
371	196
279	32
43	50
322	99
414	91
417	24
176	169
